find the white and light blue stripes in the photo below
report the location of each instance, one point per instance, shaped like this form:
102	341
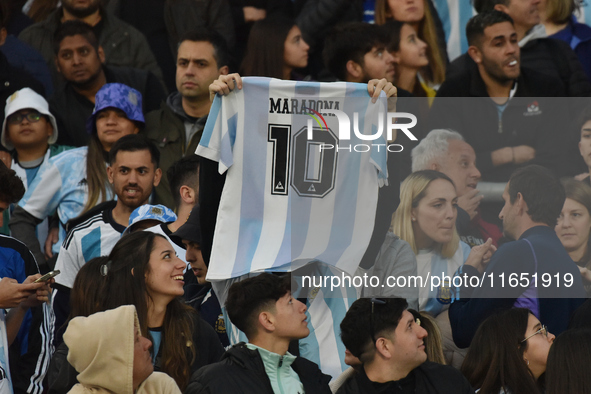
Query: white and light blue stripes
257	230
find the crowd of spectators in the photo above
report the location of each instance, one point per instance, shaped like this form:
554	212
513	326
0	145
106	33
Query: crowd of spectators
103	105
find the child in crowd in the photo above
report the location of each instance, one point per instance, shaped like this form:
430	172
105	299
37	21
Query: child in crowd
29	133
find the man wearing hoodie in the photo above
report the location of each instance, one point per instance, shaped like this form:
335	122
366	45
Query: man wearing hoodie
111	356
177	126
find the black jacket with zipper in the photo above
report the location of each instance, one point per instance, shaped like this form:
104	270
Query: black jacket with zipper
533	117
241	371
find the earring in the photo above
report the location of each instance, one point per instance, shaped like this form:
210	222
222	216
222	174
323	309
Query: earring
527	361
414	219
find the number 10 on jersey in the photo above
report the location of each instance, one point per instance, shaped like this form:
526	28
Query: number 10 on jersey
301	163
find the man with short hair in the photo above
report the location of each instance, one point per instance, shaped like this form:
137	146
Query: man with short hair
513	121
356	52
533	201
177	126
183	179
80	59
446	151
123	44
264	309
548	56
389	341
133	171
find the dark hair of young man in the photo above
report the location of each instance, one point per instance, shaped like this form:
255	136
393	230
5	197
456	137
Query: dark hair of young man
134	143
12	189
356	326
477	24
542	192
350	41
248	298
183	172
221	53
488	5
74	28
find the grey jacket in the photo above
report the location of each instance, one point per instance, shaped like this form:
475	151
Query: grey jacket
396	259
124	46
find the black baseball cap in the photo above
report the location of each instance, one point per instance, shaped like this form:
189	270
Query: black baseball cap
191	230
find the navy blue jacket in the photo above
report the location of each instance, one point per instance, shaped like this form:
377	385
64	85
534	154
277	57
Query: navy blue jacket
557	302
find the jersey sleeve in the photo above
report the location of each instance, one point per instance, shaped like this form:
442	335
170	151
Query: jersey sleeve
69	262
219	134
44	193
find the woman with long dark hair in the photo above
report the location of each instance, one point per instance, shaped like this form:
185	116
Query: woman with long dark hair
568	363
143	270
410	57
420	17
275	49
508	354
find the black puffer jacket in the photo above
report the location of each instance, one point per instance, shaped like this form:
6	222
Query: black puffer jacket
242	371
427	378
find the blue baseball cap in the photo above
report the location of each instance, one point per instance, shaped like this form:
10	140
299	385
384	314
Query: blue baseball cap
150	212
120	96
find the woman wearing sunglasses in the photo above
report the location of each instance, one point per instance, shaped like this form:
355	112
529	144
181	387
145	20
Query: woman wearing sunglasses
508	354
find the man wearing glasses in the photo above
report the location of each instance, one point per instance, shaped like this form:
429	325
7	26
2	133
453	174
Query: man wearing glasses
390	343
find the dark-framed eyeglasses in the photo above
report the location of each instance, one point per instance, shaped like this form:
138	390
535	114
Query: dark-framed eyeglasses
543	331
374	301
32	117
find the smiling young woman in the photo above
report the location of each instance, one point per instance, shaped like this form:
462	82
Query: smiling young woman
145	271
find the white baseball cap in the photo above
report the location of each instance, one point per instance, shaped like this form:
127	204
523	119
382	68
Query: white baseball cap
22	99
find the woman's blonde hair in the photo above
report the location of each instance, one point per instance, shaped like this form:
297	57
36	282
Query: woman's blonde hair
435	71
412	191
560	11
434	339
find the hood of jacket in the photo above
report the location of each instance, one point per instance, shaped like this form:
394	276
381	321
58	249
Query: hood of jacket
538	31
101	348
175	102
